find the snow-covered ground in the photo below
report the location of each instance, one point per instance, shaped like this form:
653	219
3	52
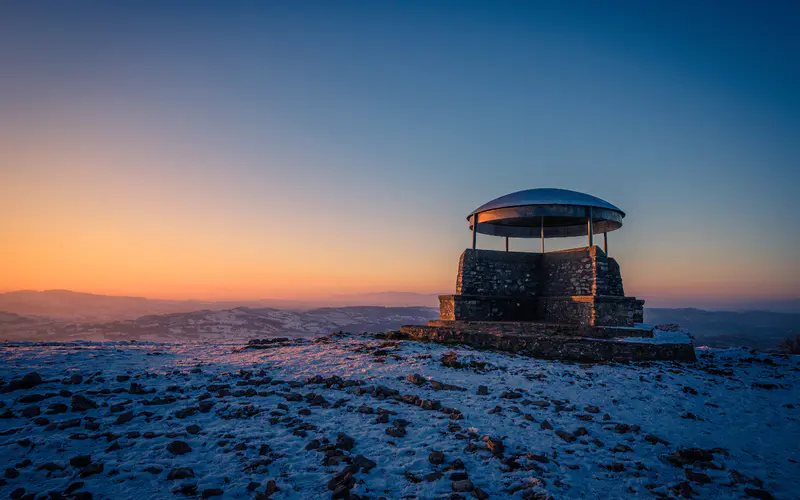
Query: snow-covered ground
245	417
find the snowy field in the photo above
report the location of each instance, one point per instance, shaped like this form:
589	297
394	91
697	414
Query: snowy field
355	415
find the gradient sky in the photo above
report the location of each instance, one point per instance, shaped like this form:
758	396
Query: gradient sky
285	149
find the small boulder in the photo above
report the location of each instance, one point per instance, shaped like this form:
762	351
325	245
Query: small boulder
179	447
81	403
463	486
180	473
80	461
436	457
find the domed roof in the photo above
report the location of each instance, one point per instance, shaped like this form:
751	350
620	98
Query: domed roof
546	196
548	212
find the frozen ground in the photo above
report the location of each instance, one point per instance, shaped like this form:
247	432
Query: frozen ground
725	427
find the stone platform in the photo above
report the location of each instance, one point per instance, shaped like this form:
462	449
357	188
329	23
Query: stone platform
559	341
567	305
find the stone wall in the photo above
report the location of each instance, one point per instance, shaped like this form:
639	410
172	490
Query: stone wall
557	287
487	308
614	279
491	272
618	311
568	273
569	310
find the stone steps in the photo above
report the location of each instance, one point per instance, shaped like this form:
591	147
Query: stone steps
551	345
544	328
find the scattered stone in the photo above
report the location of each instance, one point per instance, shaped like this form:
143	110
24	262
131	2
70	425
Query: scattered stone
760	494
456	464
433	476
654	440
483	390
92	469
441	386
396	432
465	485
180	473
80	461
697	477
363	463
179	447
566	436
480	494
436	457
683	489
138	389
450	359
124	418
271	488
546	425
32	398
495	446
538	458
344	442
193	429
416	379
185	412
81	403
212	492
30	411
688	456
56	408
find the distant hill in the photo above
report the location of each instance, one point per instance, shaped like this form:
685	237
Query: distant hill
81	307
240	323
757	329
89	307
57	314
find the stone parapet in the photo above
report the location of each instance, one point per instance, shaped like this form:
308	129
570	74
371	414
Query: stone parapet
505	274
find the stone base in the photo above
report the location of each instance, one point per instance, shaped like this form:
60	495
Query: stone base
553	341
596	310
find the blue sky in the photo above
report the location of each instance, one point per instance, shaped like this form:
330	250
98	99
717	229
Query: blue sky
327	129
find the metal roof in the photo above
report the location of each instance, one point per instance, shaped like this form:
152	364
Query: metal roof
546	196
554	212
